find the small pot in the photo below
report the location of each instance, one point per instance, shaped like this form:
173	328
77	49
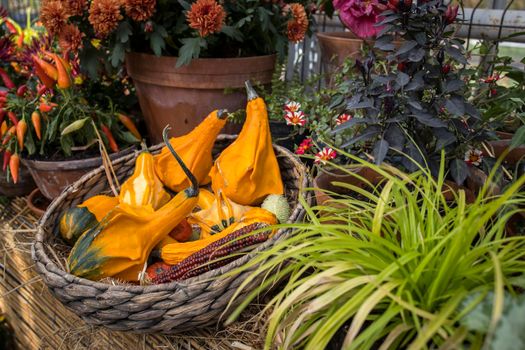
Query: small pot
37	202
516	224
52	177
281	134
184	96
514	156
24	186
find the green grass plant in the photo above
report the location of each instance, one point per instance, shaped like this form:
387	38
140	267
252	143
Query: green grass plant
394	268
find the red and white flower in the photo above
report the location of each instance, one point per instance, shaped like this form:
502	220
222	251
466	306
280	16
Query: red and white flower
324	155
305	146
292	106
473	156
343	118
295	118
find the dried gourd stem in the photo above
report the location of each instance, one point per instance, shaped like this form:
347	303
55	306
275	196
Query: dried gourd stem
106	161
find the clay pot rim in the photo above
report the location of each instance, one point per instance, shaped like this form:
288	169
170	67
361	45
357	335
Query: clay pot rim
60	165
206	60
39	212
339	36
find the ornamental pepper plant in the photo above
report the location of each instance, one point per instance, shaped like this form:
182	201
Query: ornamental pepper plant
410	106
102	31
45	111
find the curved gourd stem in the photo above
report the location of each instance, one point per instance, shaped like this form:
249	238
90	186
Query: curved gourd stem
222	113
192	191
250	91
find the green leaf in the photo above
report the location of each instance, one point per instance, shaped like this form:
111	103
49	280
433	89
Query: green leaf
157	43
185	5
161	30
90	62
66	142
191	48
232	32
123	32
519	137
117	55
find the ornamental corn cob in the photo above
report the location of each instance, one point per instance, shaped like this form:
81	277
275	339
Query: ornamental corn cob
215	255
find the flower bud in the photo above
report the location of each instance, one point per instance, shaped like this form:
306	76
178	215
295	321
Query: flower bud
451	14
148	27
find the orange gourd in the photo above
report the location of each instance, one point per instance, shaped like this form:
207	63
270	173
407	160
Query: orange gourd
247	171
194	149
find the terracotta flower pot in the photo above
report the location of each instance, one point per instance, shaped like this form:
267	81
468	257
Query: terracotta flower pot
338	46
52	177
514	156
183	97
24	186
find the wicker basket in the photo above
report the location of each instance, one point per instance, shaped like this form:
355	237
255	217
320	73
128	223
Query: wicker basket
165	308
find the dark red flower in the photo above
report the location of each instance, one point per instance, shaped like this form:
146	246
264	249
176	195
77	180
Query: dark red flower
451	13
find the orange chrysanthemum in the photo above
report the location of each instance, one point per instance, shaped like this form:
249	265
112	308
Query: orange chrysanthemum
140	10
74	7
54	16
70	38
206	16
104	16
298	24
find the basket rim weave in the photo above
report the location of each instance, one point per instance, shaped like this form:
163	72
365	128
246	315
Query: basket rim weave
39	245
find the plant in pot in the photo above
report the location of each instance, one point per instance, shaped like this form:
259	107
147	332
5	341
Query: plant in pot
410	107
60	132
181	55
12	41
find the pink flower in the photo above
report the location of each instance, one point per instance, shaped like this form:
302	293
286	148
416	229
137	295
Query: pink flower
360	16
295	118
343	118
473	156
325	155
305	146
451	13
292	106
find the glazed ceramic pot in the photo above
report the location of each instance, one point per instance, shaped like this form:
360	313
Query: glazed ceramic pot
184	96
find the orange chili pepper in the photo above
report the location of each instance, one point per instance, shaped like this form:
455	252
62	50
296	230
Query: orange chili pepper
64	80
20	40
111	140
9	134
46	107
35	119
21	129
44	78
128	123
14	165
3	128
47	67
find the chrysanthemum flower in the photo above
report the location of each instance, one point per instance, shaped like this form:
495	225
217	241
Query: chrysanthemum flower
295	118
206	16
54	16
70	38
473	156
140	10
298	24
74	7
325	155
343	118
104	16
292	106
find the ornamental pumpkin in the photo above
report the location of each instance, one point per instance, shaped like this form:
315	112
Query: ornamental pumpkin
219	215
176	252
144	188
194	149
247	170
120	244
76	220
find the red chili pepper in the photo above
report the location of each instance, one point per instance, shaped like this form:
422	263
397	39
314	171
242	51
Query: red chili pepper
7	156
109	136
7	81
41	90
2	115
445	69
12	117
10	27
3	93
21	91
3	99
